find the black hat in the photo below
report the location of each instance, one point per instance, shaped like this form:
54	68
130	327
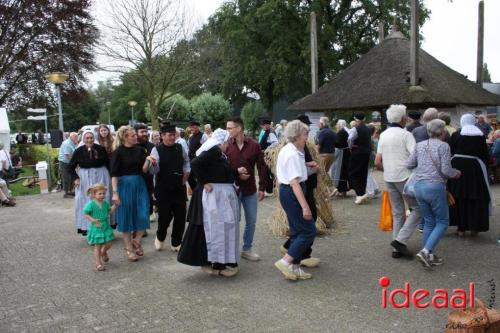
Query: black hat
194	123
415	115
167	127
304	118
359	116
265	121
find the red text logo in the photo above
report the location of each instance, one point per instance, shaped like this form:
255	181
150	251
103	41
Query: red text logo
422	298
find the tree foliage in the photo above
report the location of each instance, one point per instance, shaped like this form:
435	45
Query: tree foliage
41	36
250	115
486	74
210	109
176	107
263	45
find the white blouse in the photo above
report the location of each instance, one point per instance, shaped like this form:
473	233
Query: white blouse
291	164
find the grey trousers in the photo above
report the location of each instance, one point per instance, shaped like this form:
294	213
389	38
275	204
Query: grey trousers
402	227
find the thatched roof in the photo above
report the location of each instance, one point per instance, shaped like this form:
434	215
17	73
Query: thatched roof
382	77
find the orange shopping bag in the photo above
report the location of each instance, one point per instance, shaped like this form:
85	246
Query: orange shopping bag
385	213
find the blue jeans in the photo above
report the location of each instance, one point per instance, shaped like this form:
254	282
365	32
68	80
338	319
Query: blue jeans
302	232
249	203
433	201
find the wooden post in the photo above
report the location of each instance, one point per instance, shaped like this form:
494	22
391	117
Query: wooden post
381	35
480	44
314	54
414	45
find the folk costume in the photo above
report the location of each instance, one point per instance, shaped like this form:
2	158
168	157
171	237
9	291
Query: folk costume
360	144
170	190
194	143
471	191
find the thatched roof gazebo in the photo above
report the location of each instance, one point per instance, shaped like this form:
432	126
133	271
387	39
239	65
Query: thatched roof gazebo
382	77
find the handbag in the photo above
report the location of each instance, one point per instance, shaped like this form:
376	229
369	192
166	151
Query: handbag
409	188
449	196
385	223
478	319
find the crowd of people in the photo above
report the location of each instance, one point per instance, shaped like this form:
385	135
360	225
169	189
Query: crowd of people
435	176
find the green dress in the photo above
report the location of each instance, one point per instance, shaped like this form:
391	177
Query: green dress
104	233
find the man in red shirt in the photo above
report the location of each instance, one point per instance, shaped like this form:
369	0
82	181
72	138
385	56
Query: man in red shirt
243	154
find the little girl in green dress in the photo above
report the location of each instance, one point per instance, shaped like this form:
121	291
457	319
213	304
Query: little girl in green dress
100	234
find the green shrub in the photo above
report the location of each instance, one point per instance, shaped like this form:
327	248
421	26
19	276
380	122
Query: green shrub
211	109
31	154
250	115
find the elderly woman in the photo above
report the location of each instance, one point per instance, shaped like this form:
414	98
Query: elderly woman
128	164
214	207
92	163
340	170
432	163
105	139
291	172
471	192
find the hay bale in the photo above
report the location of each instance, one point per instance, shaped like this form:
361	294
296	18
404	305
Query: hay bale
278	222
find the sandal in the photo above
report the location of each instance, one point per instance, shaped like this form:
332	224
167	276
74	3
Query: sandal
138	248
131	255
100	268
104	256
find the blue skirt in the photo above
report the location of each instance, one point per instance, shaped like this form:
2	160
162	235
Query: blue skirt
133	212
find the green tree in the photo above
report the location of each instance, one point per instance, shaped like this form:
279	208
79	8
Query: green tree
486	74
176	107
250	115
263	45
210	109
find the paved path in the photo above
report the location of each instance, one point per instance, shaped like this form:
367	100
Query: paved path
47	282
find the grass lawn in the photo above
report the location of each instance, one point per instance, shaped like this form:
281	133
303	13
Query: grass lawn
17	187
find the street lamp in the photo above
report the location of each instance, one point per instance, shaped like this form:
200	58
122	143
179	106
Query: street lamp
44	117
58	78
108	105
132	104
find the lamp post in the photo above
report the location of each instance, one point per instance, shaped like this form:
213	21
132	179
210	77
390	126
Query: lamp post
58	78
108	105
46	133
132	104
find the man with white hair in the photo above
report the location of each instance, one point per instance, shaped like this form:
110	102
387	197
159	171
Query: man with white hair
420	133
326	144
208	130
65	153
394	147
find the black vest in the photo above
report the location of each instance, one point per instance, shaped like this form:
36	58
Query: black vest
194	144
362	144
263	142
169	179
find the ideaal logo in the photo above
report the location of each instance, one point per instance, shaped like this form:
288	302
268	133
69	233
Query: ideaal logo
422	298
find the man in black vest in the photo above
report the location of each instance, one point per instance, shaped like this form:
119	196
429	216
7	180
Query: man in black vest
172	169
360	144
194	143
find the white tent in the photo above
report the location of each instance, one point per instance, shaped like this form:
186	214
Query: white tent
4	129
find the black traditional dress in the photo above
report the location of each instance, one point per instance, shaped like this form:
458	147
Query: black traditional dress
360	159
341	143
471	210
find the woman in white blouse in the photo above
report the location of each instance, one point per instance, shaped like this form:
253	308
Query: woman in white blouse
291	172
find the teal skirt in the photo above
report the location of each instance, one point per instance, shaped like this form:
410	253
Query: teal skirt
100	235
133	212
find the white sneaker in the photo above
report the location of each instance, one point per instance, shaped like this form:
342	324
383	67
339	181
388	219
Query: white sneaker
268	194
300	274
229	271
287	270
360	199
250	255
152	217
158	245
175	248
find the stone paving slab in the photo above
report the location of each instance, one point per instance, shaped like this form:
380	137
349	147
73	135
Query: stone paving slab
47	282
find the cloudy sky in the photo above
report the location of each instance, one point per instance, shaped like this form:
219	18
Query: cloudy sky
450	35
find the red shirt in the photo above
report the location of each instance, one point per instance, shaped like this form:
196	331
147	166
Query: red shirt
249	155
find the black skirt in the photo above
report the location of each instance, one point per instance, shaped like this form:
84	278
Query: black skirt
193	251
358	172
343	185
471	208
